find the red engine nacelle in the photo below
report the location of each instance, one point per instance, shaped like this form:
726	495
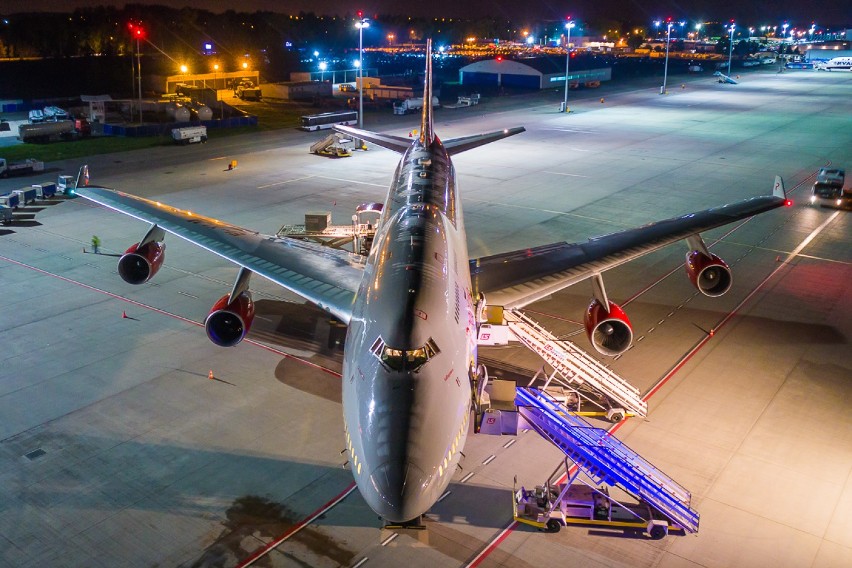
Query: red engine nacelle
709	274
140	264
227	324
608	330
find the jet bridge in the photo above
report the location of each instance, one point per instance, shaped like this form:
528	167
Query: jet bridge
604	459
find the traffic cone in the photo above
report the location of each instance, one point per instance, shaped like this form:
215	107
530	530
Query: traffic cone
712	332
210	375
124	314
602	99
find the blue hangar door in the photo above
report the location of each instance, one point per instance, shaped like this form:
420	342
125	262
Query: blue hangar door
522	81
473	78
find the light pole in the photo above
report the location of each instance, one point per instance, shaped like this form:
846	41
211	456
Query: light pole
731	51
568	27
669	25
784	28
361	24
323	66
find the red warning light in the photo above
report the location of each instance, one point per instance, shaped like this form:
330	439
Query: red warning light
360	14
499	58
788	203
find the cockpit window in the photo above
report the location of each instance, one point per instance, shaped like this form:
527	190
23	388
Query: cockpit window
410	360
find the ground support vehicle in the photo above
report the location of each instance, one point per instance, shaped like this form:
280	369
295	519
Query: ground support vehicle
10	200
27	166
334	146
576	501
45	190
6	215
412	105
248	91
59	130
829	191
26	195
189	134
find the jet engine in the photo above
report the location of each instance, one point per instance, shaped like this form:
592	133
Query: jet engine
609	331
228	323
709	274
140	264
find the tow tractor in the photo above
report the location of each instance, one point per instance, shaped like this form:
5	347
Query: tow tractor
576	501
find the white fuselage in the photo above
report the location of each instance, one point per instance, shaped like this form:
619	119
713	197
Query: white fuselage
411	343
837	64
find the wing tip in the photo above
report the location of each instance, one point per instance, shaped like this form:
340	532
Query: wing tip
778	188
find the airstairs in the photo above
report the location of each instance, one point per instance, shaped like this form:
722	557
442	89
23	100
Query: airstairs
574	365
604	458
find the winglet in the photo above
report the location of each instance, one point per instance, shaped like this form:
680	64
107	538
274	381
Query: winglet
427	136
778	189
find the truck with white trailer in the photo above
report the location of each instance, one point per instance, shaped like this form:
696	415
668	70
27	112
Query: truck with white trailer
24	167
412	105
45	190
189	134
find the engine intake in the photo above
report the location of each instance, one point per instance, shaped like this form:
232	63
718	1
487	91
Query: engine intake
709	274
609	331
139	264
227	324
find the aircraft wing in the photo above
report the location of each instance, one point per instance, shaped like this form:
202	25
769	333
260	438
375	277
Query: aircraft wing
516	279
327	277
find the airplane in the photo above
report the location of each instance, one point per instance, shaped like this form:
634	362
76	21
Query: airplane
836	63
413	305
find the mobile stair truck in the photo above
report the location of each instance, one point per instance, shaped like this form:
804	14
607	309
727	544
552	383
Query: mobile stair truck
654	503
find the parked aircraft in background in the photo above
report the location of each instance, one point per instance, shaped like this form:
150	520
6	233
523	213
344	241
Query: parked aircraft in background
835	64
414	304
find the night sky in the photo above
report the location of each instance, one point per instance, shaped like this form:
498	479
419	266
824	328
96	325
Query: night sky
797	12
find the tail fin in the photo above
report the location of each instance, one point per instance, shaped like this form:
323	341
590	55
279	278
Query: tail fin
427	136
778	189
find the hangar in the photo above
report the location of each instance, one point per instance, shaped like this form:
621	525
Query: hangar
529	73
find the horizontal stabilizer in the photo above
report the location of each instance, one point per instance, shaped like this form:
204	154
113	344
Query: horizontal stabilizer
389	141
459	145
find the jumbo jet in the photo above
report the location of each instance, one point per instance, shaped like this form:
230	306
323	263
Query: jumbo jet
414	303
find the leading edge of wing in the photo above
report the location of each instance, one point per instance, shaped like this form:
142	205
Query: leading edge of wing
516	279
327	277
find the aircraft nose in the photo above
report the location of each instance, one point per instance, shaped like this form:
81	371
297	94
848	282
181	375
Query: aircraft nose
400	490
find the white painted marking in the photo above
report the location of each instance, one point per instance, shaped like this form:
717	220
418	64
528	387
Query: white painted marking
283	182
564	174
353	181
509	443
489	459
185	294
444	496
466	477
361	562
389	539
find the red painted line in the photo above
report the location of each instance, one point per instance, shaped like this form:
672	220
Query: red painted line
492	546
296	528
165	313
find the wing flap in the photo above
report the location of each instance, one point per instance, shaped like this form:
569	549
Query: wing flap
327	277
516	279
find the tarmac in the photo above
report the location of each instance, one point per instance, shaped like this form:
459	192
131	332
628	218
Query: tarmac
118	449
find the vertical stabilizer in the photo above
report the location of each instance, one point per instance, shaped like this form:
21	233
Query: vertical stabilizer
426	134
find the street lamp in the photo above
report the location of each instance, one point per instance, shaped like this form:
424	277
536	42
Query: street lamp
323	66
361	24
784	30
731	51
750	31
669	25
138	33
568	25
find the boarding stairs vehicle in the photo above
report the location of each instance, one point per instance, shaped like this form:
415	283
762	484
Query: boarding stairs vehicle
334	145
356	238
606	460
575	369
